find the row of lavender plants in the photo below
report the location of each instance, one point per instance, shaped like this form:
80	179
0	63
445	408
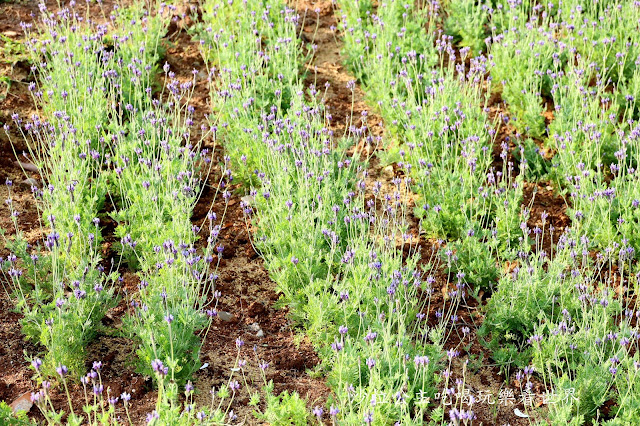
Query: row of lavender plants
332	239
553	313
157	170
584	60
103	129
435	107
62	288
443	139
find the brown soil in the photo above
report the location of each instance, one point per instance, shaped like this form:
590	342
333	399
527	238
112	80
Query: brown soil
327	66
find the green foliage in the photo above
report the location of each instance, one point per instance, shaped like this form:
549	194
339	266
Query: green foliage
530	156
369	35
474	262
522	299
175	342
256	65
283	409
466	22
8	418
521	60
62	303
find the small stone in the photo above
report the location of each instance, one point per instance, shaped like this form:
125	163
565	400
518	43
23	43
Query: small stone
255	327
27	166
225	316
387	172
260	334
22	403
28	183
248	199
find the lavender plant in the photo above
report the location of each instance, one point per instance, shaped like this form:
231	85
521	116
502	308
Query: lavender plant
378	45
337	261
102	407
466	22
64	296
255	58
586	350
538	54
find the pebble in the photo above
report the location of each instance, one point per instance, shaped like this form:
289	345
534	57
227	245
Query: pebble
22	403
27	166
255	328
248	199
387	172
225	316
29	182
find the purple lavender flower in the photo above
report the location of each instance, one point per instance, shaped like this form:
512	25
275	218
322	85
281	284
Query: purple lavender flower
159	367
421	361
333	411
318	412
36	363
152	416
62	370
97	389
370	337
